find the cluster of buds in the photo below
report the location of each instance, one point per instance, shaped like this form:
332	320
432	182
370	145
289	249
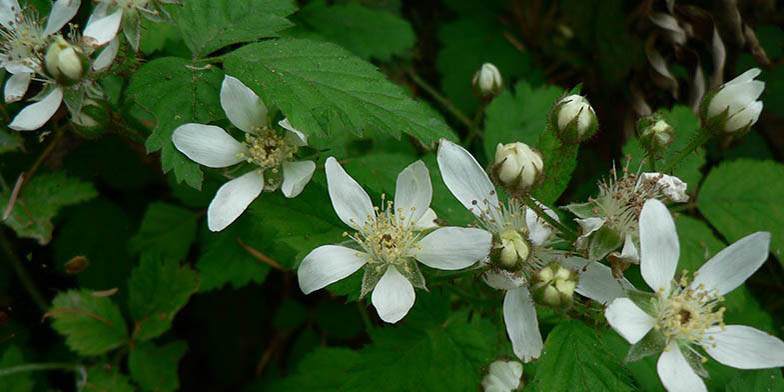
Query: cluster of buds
573	119
516	167
655	134
733	108
554	286
487	80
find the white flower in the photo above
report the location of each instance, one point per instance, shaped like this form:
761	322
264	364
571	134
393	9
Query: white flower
469	183
487	80
681	315
735	106
516	165
575	119
389	241
503	376
109	15
211	146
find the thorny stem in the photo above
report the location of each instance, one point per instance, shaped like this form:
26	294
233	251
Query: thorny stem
213	59
446	275
474	128
701	138
567	232
31	367
440	98
41	158
28	283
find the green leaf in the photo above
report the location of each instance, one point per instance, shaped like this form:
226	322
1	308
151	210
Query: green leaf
518	117
366	32
176	92
208	25
766	380
577	358
745	196
167	230
9	141
99	379
39	201
325	90
154	368
324	369
91	325
158	287
560	160
17	382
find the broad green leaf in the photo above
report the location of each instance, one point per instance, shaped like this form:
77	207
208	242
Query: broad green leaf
325	369
17	382
92	325
154	368
167	230
578	358
9	140
518	117
107	379
560	160
158	287
366	32
745	196
324	90
39	201
766	380
176	92
208	25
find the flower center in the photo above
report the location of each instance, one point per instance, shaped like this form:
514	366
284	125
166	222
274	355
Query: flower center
23	40
388	238
684	313
267	148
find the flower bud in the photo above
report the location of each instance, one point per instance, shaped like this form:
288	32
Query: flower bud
574	119
517	166
65	62
487	80
734	106
554	285
503	376
655	133
513	249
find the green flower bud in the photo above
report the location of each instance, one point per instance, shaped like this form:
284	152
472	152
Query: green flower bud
513	249
516	166
554	286
573	119
64	62
655	133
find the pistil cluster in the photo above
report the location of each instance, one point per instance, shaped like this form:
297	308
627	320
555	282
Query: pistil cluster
23	41
268	148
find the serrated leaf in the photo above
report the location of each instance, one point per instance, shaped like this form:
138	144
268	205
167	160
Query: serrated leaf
167	231
39	201
176	92
366	32
158	287
91	325
744	196
17	382
766	380
560	160
325	90
9	141
339	362
101	379
208	25
154	368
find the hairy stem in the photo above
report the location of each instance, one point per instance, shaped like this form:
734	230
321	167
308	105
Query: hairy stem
32	367
21	273
701	138
440	98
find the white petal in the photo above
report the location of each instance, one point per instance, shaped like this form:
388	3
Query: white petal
628	320
427	221
521	324
454	248
734	264
745	77
294	135
62	12
629	252
747	116
589	225
233	198
744	347
295	176
208	145
502	279
672	186
16	86
507	373
413	192
465	178
393	296
8	11
351	202
539	230
243	107
103	30
101	10
596	280
675	372
36	115
659	249
326	265
105	59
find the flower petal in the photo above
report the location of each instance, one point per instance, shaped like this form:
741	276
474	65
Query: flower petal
506	374
521	324
105	59
393	296
8	11
233	198
326	265
427	221
295	176
208	145
243	107
538	229
351	202
659	249
671	186
628	320
294	135
102	30
16	86
734	264
744	347
413	192
36	115
596	280
675	372
62	12
502	279
466	179
454	248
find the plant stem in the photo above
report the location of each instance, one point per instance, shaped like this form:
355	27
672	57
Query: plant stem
440	98
474	128
701	138
31	367
567	232
28	283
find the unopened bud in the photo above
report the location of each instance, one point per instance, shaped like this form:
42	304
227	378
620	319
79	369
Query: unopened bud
517	166
554	285
655	133
513	249
503	376
574	119
65	62
734	106
487	80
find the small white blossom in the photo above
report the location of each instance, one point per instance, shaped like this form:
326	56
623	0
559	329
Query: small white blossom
682	316
503	376
734	107
516	165
487	80
388	241
109	15
263	147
